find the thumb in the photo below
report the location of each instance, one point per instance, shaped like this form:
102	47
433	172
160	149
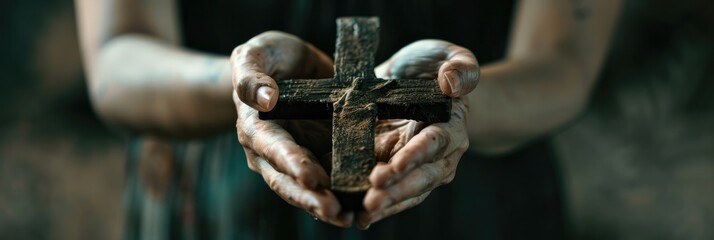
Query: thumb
459	74
253	85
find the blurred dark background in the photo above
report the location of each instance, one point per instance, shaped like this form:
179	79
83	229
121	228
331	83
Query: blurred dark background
639	164
61	170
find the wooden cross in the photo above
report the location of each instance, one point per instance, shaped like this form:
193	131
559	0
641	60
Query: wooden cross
354	98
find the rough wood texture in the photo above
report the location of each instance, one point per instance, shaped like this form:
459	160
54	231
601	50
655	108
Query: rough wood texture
416	99
354	99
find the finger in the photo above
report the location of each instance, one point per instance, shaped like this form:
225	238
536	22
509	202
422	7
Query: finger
250	157
320	203
420	59
384	145
324	214
365	219
459	74
343	219
273	143
380	174
392	135
250	77
422	148
422	179
274	55
382	71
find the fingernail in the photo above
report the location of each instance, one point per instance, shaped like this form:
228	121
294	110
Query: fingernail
265	95
452	77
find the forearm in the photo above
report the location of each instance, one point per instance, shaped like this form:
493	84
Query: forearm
554	56
518	100
148	86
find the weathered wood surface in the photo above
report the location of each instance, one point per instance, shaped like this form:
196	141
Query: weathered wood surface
416	99
354	99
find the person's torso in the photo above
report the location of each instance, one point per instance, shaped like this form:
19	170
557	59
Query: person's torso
218	26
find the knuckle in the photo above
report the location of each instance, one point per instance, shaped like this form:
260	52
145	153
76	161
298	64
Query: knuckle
464	146
432	42
449	178
274	182
236	52
434	175
299	163
419	199
438	135
243	138
252	166
245	134
239	123
275	39
251	160
271	34
240	54
457	50
253	49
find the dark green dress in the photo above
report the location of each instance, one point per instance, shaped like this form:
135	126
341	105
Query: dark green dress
209	192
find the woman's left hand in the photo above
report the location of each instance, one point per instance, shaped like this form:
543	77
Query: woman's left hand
416	157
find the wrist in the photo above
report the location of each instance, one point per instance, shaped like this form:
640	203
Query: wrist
216	90
217	85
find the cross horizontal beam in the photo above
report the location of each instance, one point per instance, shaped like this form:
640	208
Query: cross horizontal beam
415	99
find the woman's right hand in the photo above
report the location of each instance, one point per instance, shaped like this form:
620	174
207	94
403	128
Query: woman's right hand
284	152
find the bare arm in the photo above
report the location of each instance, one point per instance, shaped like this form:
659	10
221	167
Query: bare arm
141	80
554	55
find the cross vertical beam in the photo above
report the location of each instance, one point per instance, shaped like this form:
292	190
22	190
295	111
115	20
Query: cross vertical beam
354	114
356	45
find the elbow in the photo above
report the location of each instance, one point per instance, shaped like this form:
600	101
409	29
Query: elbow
107	93
107	107
103	107
98	85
